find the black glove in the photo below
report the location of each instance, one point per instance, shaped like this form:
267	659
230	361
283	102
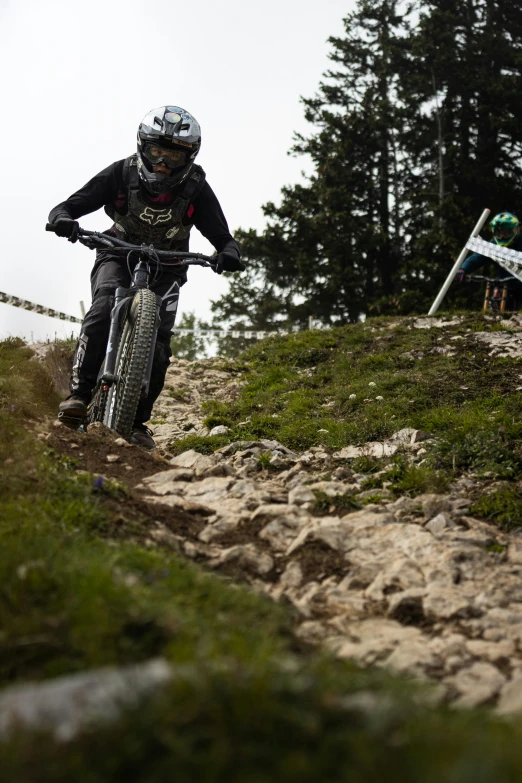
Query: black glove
66	227
228	262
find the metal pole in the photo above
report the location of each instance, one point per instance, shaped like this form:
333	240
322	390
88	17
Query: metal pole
458	263
82	309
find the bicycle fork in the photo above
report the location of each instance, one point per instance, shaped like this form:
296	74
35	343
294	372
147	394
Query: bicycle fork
107	376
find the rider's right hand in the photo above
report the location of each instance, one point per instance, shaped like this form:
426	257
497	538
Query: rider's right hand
66	227
460	276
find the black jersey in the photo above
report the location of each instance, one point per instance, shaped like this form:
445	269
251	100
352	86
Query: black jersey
108	189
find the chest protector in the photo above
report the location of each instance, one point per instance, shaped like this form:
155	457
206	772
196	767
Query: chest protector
160	225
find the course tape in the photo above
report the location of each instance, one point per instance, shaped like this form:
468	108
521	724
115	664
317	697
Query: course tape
229	333
511	260
24	304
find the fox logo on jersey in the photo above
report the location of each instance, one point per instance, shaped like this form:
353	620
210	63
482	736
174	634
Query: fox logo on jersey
155	216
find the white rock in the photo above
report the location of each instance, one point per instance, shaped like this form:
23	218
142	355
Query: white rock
300	495
204	464
285	523
491	651
433	504
345	534
404	435
515	552
122	442
371	449
247	556
210	490
476	684
186	460
413	658
292	576
173	501
66	705
220	429
218	527
373	640
443	602
165	483
439	524
510	701
399	573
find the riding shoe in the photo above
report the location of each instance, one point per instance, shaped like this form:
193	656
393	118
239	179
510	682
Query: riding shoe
74	406
142	436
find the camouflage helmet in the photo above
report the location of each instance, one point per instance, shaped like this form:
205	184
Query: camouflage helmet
505	227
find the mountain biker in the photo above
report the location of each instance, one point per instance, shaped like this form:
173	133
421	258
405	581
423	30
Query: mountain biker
505	228
155	197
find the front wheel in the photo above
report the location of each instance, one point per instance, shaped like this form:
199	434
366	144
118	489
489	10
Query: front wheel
131	363
98	404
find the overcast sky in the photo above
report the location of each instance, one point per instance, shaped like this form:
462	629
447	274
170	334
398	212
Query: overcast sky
78	77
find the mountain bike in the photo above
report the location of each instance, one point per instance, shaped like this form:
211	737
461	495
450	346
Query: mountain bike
124	377
496	297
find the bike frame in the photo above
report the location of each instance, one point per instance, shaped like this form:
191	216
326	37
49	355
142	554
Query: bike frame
491	295
123	296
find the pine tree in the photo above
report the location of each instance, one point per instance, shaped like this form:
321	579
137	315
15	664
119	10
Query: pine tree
468	58
415	130
332	245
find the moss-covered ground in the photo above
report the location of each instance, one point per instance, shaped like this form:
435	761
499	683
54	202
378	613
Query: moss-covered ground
364	382
248	705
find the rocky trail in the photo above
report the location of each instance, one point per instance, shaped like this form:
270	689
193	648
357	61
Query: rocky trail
415	585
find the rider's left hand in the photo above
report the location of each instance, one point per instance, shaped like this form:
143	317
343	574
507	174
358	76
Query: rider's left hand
459	277
228	262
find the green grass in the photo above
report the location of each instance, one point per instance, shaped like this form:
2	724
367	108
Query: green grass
248	704
299	386
340	504
502	506
403	478
203	444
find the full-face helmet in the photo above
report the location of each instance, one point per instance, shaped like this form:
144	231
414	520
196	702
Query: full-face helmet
505	227
168	135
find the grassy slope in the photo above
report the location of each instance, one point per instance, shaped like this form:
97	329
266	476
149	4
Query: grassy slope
322	388
248	707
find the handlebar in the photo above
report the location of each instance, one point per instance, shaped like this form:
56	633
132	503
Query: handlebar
480	278
95	239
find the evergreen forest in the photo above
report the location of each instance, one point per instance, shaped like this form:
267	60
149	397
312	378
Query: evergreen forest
414	130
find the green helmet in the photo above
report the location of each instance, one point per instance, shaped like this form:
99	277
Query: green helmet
505	227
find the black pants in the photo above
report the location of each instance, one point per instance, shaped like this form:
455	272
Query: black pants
108	273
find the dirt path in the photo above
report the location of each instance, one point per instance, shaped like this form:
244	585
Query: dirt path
414	585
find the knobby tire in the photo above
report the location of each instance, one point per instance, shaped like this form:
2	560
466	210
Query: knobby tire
96	411
131	363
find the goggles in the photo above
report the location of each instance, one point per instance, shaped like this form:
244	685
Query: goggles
504	232
172	158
